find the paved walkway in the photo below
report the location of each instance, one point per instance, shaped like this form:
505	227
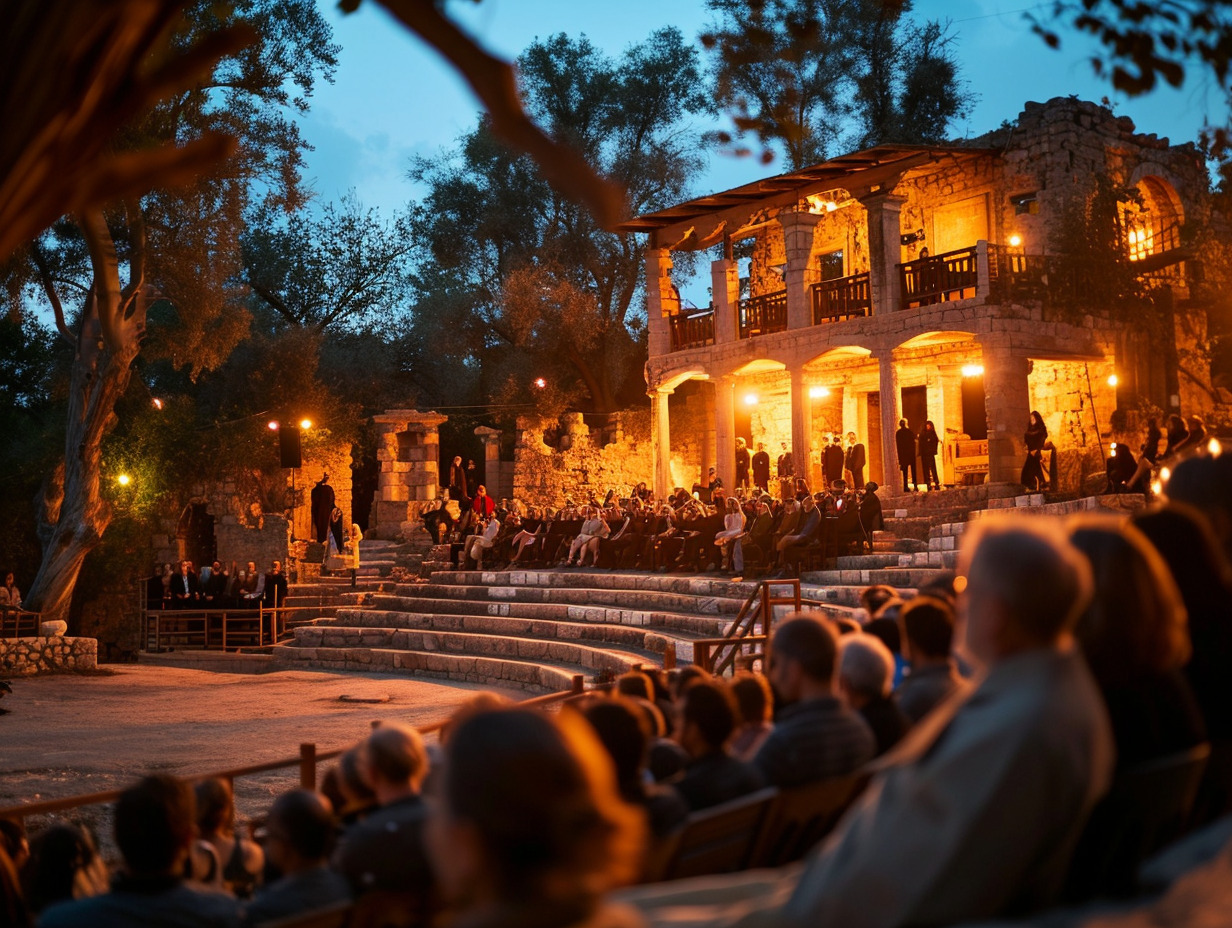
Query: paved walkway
71	734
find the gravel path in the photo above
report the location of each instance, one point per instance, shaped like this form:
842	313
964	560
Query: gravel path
79	733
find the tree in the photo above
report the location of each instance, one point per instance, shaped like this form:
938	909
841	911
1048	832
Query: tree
813	74
339	268
525	282
179	249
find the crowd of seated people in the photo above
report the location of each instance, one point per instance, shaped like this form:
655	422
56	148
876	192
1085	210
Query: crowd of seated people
989	710
680	533
216	586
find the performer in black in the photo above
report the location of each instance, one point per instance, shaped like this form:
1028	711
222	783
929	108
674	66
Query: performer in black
322	499
904	444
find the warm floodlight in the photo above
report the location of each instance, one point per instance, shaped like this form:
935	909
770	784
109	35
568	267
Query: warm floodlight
1112	380
158	404
973	370
1165	474
273	425
1214	447
750	399
123	480
818	393
540	383
305	424
1015	240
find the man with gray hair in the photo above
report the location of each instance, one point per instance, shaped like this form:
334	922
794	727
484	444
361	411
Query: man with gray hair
385	850
865	682
975	814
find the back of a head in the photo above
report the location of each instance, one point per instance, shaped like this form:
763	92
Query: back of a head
1136	621
928	623
58	869
1027	569
754	698
683	677
866	666
155	824
635	683
808	640
305	821
541	795
1185	540
940	586
215	806
710	706
624	732
1205	483
872	598
396	754
885	628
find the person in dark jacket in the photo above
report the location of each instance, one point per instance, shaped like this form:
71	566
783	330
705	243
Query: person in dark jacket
706	720
854	460
1032	476
832	460
761	467
742	463
930	443
904	444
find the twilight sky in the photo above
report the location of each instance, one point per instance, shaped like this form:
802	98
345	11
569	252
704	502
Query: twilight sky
394	98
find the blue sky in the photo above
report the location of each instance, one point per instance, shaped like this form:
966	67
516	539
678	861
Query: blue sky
393	98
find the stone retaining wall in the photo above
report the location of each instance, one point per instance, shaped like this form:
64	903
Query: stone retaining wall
23	657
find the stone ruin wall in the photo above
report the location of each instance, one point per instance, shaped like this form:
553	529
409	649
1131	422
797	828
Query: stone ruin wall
23	657
1060	391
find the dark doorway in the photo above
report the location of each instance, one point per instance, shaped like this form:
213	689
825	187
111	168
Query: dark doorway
195	535
873	444
915	411
458	439
974	409
365	477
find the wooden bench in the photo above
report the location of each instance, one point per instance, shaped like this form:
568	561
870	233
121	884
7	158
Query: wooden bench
715	840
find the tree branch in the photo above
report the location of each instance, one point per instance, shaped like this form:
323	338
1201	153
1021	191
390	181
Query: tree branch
106	289
49	287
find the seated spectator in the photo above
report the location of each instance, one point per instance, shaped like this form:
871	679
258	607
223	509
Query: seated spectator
805	532
865	675
1206	484
484	541
241	860
384	851
273	584
927	627
978	812
14	842
529	829
815	737
872	598
705	721
625	732
62	864
439	521
13	910
299	837
1136	640
728	540
251	586
214	586
483	505
636	684
755	708
884	625
184	587
587	541
153	829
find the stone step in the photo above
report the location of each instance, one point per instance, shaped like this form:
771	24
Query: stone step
1038	503
726	601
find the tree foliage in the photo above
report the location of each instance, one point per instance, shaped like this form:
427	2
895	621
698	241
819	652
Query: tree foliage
523	283
811	75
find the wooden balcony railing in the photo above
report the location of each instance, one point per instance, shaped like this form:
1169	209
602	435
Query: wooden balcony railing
693	330
761	315
843	298
18	623
940	278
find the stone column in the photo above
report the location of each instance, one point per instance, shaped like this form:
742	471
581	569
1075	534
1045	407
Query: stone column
801	425
801	271
660	442
1007	398
725	286
408	450
884	250
851	412
492	463
725	430
662	300
891	412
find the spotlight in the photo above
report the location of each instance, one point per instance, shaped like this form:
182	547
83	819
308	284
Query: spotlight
1214	447
818	393
750	399
123	480
540	383
1015	240
1112	380
973	370
158	404
273	425
305	424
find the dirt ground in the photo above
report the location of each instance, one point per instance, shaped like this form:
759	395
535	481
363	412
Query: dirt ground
71	734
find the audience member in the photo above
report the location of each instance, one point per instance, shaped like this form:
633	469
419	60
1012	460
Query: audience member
299	836
705	721
1206	484
61	864
530	830
154	826
625	733
1135	639
927	625
755	707
815	737
384	850
242	861
865	678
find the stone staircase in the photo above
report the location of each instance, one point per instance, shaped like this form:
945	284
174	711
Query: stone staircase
536	629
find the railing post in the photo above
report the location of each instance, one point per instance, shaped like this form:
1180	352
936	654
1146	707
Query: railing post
982	278
578	686
669	656
308	765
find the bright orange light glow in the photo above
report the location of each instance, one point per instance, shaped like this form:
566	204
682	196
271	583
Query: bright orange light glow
305	423
1015	240
273	425
123	480
818	393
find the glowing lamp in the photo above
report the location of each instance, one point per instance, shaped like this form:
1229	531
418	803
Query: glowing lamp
1165	474
818	393
1157	488
1214	447
273	425
1113	380
305	423
750	399
123	480
158	404
1015	240
973	370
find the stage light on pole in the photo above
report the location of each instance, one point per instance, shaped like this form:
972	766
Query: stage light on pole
273	425
305	424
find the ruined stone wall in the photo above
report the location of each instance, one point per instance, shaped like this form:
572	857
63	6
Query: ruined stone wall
692	438
23	657
580	467
1062	393
333	458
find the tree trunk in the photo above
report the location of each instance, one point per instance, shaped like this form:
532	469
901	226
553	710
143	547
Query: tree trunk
73	514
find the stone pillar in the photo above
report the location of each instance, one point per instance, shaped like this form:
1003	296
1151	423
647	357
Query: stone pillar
851	413
1007	398
660	442
408	451
801	425
725	430
801	271
492	462
725	287
884	251
949	390
662	300
891	406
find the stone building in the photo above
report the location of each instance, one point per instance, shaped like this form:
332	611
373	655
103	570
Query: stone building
920	283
